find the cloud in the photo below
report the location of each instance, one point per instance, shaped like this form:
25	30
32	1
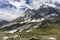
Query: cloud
17	4
10	14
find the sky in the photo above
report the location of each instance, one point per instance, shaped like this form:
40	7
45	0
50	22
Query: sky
11	9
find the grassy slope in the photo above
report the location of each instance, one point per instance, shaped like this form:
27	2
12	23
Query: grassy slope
47	28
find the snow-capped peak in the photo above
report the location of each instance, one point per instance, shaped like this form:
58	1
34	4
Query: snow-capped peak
22	5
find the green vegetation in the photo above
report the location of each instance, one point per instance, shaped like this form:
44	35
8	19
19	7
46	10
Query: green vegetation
46	28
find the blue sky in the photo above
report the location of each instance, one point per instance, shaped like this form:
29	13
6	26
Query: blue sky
7	4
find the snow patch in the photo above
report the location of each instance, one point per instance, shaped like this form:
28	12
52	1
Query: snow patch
35	20
5	38
42	19
29	30
21	30
51	38
12	31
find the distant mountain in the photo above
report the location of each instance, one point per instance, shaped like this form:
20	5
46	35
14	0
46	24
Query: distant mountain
43	12
3	22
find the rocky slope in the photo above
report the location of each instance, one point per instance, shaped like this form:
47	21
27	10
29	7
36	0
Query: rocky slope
46	30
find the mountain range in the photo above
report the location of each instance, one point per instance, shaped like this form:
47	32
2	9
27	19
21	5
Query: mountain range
23	10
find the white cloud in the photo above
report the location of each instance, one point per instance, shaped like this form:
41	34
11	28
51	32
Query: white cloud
17	4
37	3
10	13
